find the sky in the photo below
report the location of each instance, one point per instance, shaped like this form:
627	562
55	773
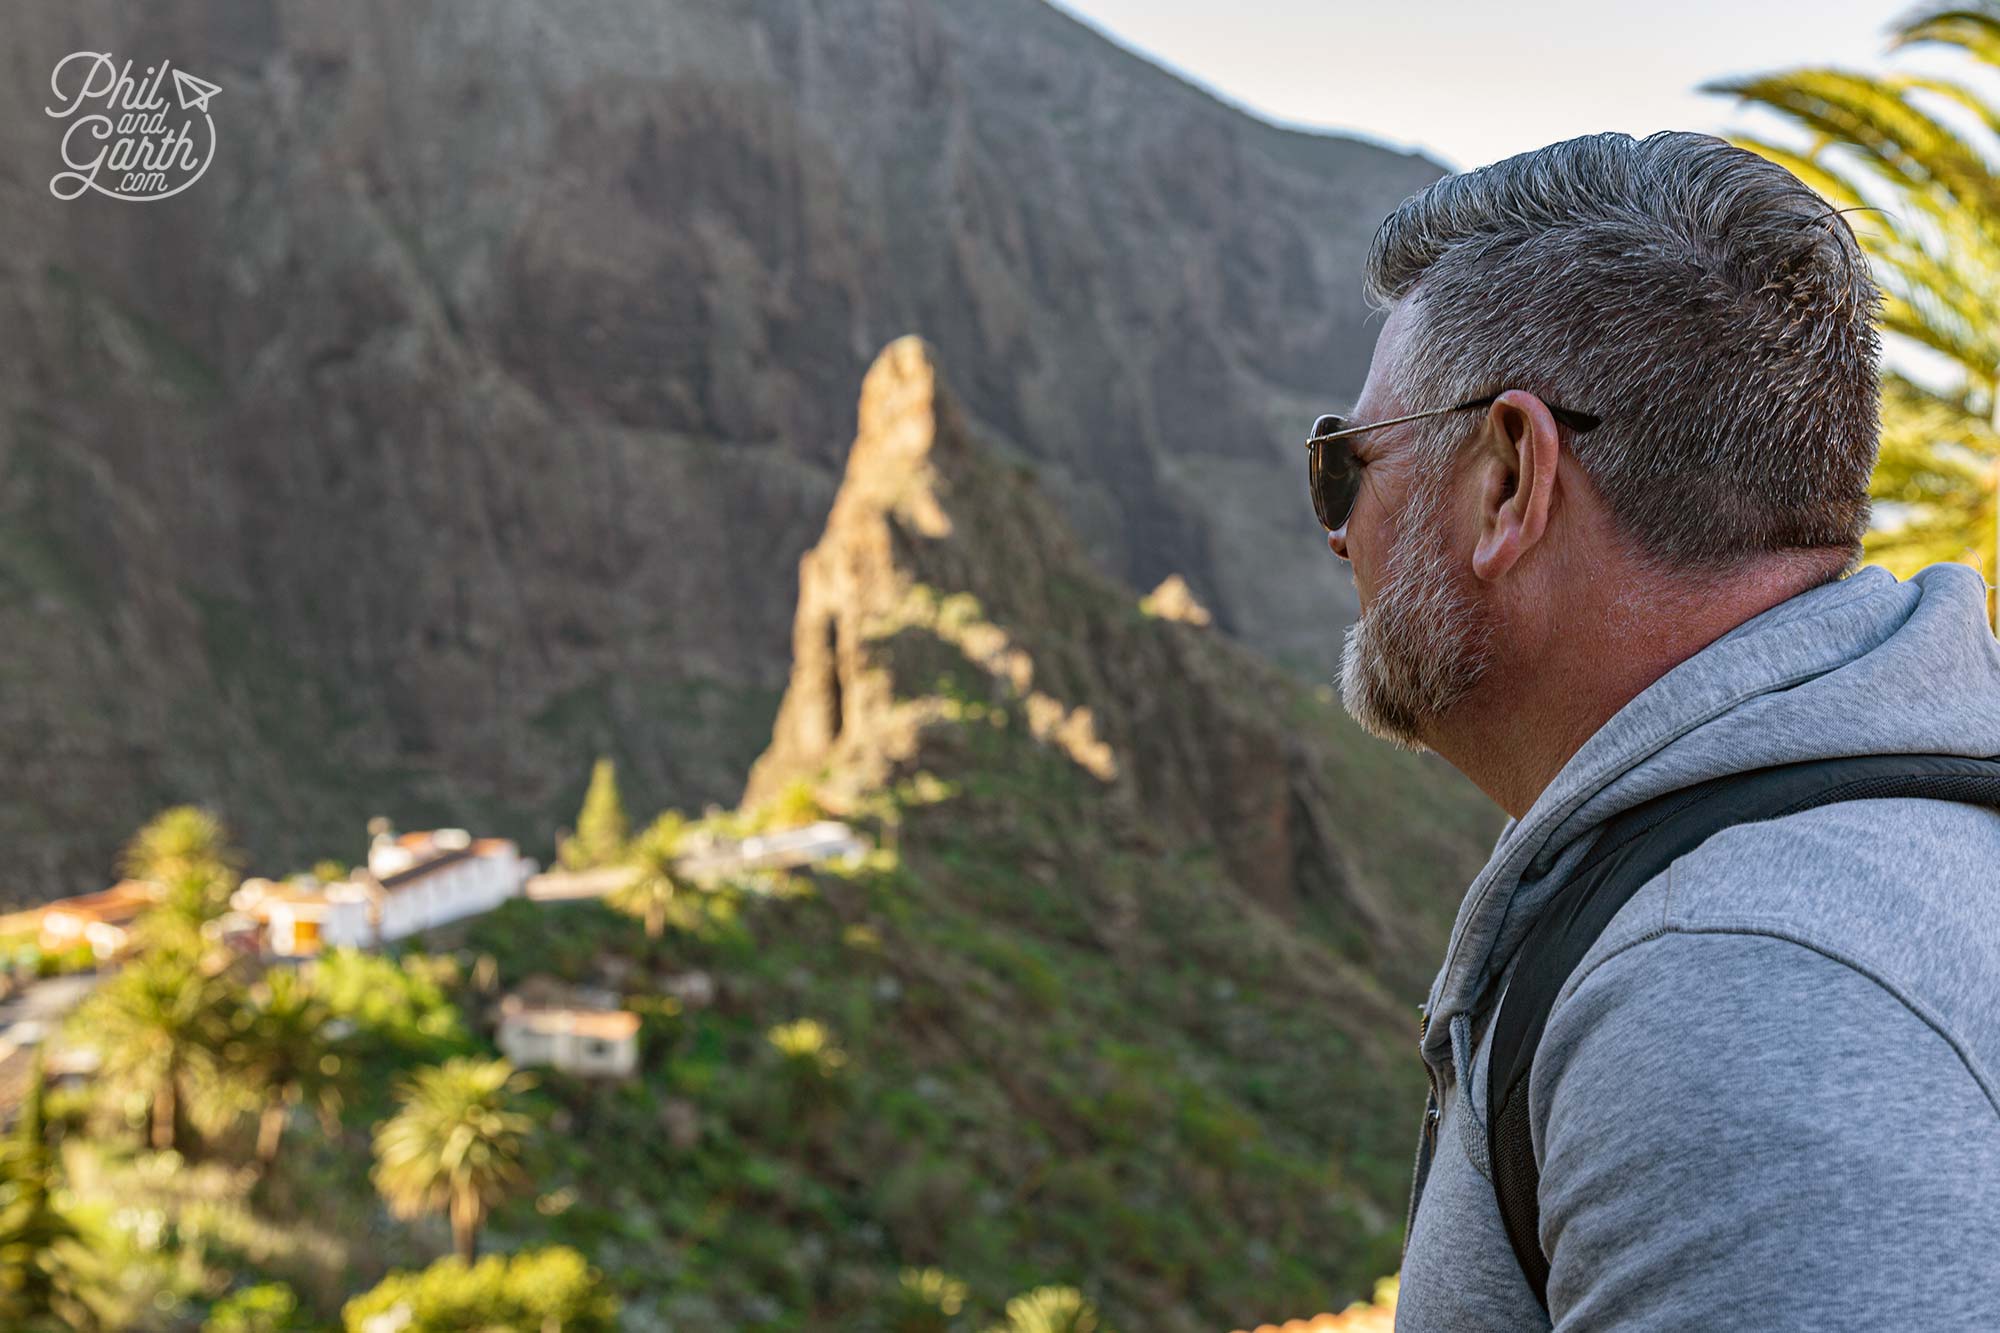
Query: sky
1470	83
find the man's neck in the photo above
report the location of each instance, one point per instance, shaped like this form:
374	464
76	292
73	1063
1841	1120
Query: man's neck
1543	700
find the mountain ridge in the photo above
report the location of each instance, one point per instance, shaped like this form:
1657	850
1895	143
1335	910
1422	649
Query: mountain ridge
941	564
467	419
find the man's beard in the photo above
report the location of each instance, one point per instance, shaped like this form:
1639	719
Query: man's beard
1425	643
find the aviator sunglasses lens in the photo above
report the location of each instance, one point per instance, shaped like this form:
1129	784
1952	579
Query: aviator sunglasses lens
1334	477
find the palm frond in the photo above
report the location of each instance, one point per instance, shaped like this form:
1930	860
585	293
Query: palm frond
1974	30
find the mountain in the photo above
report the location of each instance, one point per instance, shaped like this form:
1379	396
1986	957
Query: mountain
1167	910
1124	1001
949	585
469	417
1119	996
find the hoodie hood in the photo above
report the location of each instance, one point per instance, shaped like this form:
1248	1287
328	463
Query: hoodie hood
1869	664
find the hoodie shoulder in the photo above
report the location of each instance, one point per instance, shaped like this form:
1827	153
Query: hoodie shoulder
1905	890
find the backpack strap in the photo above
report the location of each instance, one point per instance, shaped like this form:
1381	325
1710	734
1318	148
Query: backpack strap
1634	847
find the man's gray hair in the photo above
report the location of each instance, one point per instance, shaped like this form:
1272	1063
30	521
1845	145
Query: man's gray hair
1716	313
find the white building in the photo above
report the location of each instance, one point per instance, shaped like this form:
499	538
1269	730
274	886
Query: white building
300	919
827	840
421	880
411	883
590	1042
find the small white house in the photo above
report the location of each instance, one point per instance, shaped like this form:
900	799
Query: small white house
601	1043
300	919
410	884
422	880
827	840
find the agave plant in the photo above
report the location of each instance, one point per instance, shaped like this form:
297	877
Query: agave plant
1926	208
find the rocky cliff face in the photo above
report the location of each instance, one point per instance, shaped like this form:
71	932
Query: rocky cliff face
1130	863
469	417
947	586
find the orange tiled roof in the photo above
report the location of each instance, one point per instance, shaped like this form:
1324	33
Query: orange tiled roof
605	1024
122	901
410	874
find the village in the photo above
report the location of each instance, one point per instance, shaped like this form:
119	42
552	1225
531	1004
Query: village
409	884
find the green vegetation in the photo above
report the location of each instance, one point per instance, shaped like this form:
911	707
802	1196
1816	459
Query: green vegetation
925	1300
455	1146
794	806
44	1273
1889	144
658	889
1051	1310
268	1307
553	1289
183	843
160	1022
601	826
1032	1063
279	1048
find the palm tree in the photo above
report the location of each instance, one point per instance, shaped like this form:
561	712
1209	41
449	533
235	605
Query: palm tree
161	1023
455	1146
186	903
1877	145
185	852
282	1054
658	883
177	842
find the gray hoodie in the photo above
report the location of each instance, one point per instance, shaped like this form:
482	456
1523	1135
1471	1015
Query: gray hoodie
1769	1097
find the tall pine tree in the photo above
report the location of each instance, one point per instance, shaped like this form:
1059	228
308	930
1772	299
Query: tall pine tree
602	830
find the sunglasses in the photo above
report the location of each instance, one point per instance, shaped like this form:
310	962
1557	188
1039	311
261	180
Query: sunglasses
1334	473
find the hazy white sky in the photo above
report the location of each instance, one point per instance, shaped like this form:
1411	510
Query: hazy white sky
1470	83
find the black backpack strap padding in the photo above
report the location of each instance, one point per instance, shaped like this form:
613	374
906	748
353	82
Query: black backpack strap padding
1634	847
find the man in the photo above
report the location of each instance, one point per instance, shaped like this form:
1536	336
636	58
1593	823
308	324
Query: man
1769	1097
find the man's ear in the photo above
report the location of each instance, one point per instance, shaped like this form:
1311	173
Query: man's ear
1515	473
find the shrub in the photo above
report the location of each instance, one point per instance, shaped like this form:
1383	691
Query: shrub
812	1062
402	1005
552	1288
270	1307
1051	1310
925	1300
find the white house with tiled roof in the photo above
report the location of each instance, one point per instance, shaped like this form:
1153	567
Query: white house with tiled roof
602	1043
410	884
421	880
301	918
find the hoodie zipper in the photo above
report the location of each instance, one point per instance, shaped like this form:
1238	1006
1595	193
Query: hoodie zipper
1427	1137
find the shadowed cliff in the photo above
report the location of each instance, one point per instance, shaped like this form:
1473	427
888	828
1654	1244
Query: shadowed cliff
469	416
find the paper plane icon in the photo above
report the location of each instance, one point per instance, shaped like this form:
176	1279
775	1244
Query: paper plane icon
194	93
